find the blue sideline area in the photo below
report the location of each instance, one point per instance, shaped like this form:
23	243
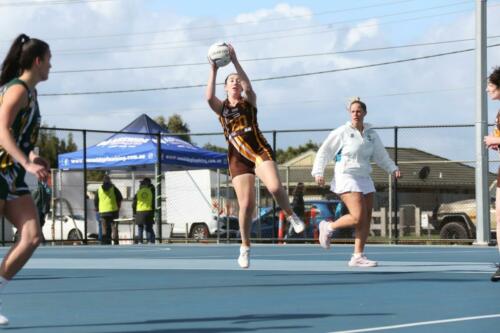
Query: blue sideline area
289	288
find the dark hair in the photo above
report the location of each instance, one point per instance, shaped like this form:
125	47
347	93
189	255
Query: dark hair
22	53
495	77
299	189
106	179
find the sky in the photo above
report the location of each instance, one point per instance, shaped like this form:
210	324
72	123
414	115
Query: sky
300	36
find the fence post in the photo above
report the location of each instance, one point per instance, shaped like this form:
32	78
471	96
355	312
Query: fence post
158	177
274	202
85	218
396	203
383	221
418	221
400	227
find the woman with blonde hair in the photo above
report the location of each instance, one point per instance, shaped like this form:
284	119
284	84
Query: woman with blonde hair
353	145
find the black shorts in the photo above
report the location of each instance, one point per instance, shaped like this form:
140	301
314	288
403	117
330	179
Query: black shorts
12	183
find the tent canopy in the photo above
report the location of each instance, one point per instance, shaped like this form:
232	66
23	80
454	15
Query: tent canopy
125	150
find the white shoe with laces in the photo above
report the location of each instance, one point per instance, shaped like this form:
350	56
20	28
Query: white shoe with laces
244	258
296	222
361	261
325	235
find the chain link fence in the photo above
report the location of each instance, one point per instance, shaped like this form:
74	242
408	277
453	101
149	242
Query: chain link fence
434	201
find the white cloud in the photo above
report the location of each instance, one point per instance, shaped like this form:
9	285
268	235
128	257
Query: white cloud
366	29
282	10
305	102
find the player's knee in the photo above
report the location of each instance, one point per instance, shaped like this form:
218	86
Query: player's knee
274	189
356	220
247	209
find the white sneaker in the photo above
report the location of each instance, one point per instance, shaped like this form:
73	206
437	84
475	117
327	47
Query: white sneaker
3	320
296	222
361	261
244	258
325	236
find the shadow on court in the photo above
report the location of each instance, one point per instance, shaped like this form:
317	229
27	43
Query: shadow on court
234	320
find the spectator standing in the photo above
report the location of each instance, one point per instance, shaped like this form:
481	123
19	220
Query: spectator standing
107	203
143	207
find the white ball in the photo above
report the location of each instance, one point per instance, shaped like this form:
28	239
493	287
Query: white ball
219	54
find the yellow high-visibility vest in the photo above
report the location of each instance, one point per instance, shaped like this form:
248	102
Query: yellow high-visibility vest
144	199
107	200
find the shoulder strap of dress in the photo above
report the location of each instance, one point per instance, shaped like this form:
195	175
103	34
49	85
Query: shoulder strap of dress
21	82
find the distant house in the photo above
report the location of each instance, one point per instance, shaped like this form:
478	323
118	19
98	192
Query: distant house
427	181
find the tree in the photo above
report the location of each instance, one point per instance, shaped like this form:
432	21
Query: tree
285	155
50	145
211	147
175	124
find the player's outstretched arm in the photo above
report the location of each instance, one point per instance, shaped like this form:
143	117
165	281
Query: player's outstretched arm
214	103
245	81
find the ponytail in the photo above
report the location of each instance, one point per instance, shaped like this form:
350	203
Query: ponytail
22	53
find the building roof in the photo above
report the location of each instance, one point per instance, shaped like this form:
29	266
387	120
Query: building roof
419	169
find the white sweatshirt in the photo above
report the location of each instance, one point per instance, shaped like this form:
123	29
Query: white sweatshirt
357	150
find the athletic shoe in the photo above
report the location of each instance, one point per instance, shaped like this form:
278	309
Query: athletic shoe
496	276
296	222
361	261
244	258
3	319
325	236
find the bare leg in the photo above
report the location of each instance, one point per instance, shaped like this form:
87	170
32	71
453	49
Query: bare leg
268	173
364	230
244	186
21	212
355	204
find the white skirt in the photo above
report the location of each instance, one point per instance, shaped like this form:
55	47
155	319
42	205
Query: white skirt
348	183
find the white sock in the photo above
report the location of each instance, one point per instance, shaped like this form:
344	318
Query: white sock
244	248
330	228
357	255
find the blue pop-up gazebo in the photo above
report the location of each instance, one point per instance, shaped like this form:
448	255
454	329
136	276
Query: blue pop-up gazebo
136	147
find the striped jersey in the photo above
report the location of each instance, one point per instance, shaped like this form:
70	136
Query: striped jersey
239	119
25	127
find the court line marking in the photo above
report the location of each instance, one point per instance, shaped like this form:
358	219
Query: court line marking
422	323
258	265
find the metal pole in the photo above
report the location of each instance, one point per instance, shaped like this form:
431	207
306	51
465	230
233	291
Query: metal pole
227	206
85	217
218	206
482	195
390	210
158	187
259	225
396	203
274	201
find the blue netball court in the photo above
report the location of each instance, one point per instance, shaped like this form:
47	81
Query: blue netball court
289	288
